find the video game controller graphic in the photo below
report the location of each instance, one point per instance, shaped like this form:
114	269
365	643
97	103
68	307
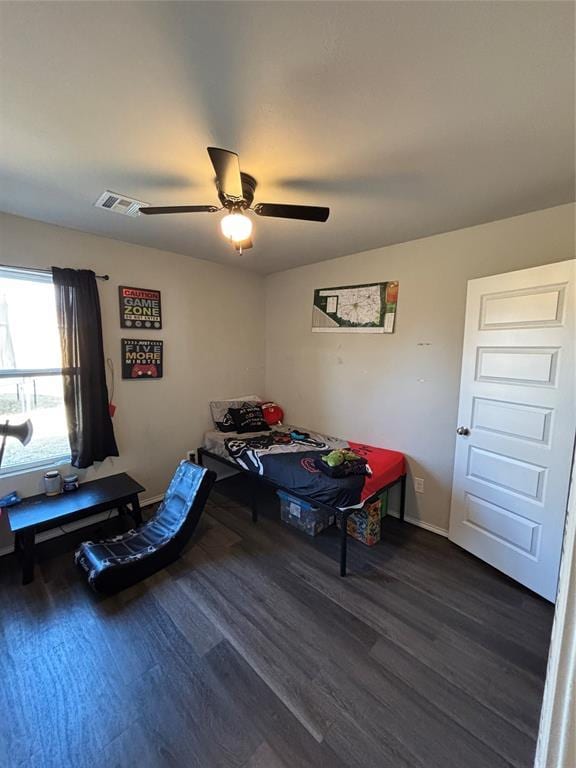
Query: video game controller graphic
140	369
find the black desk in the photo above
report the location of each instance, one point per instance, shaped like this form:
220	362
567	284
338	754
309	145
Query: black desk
41	512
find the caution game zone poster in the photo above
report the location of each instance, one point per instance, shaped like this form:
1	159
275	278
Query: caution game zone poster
140	308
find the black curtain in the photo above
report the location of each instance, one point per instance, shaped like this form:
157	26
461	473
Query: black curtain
85	393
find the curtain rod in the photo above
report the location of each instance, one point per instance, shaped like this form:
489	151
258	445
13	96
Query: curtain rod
45	271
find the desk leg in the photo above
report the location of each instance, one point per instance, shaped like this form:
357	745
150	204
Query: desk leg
343	543
26	543
136	510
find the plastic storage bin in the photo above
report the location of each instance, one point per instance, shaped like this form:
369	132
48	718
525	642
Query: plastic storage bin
303	515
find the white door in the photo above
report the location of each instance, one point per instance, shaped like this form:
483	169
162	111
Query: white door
516	422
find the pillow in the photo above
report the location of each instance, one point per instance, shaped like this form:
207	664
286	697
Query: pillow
219	409
248	418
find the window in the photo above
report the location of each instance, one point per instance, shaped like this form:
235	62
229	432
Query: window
30	369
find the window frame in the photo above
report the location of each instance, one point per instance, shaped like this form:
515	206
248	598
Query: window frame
33	276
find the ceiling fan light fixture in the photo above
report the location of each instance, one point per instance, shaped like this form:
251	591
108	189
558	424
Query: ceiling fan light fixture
236	194
236	227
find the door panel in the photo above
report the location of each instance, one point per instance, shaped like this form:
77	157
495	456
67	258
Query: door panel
512	466
506	472
523	421
520	309
510	528
520	365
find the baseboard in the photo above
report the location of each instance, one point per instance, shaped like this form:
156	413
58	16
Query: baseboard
76	524
422	524
427	526
153	500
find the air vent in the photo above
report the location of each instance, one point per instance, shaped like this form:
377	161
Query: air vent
112	201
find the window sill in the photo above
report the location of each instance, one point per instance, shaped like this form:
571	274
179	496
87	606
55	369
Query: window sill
54	463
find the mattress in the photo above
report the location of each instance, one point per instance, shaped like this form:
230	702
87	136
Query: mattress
291	463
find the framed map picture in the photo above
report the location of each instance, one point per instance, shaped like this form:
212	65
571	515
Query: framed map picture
140	308
369	308
142	359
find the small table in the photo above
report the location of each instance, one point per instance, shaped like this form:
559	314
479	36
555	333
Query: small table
40	513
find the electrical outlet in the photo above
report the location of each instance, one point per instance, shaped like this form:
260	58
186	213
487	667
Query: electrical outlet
419	484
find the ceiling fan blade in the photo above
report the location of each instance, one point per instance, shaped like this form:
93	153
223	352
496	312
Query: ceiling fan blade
303	212
227	169
151	210
244	245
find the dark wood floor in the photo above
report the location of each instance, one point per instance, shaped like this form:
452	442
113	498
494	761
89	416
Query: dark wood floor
252	652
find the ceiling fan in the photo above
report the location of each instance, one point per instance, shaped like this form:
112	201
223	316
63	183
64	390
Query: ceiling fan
236	193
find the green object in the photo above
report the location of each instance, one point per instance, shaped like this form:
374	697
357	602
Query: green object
334	458
339	456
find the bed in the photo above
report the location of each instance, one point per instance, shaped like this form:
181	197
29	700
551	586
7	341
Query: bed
287	464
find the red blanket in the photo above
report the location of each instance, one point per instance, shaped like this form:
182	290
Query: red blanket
387	466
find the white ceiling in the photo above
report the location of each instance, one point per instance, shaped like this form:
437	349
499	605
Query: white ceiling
406	118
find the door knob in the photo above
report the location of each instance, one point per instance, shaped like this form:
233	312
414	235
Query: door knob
463	431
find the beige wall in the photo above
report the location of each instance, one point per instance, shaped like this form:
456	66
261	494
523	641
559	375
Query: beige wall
401	390
397	390
213	339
